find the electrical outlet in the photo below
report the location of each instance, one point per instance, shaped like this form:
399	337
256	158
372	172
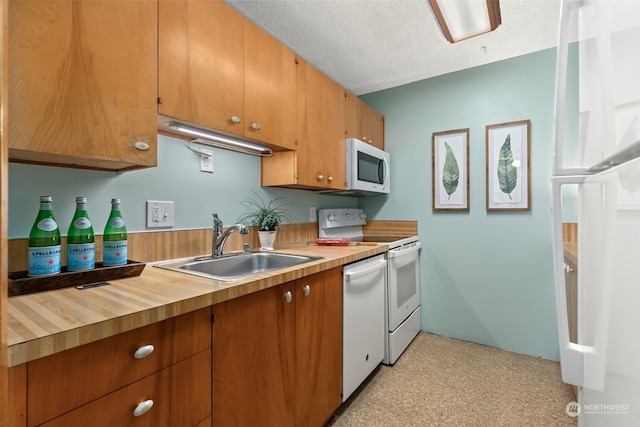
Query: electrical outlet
206	160
312	214
159	214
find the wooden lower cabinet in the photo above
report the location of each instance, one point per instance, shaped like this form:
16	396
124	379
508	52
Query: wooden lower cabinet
17	401
180	396
102	382
277	354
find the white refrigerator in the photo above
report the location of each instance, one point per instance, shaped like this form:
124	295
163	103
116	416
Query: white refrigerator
596	185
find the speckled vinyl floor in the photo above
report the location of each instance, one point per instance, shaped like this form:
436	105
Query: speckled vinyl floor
441	381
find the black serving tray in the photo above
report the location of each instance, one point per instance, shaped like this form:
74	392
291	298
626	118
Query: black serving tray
20	283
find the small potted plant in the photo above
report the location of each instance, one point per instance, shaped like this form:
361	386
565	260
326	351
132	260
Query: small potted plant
265	217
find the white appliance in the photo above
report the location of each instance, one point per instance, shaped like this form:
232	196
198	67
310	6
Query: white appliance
368	167
367	170
363	320
604	357
402	292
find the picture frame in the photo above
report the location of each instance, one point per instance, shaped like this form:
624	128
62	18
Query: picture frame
508	172
450	170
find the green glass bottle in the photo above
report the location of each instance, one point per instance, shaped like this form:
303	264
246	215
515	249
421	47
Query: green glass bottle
81	248
44	241
114	249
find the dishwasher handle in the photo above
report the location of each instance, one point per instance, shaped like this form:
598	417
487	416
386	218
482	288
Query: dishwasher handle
348	276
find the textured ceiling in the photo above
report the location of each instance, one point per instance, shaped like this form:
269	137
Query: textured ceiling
370	45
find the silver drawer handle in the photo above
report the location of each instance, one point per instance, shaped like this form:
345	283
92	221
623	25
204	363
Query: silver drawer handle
235	119
143	408
143	351
307	290
255	126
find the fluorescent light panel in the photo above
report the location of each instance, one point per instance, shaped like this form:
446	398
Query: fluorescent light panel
221	141
462	19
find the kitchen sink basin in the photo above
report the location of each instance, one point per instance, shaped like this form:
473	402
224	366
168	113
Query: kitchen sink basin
237	266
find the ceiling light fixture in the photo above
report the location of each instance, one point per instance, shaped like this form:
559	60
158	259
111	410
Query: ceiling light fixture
462	19
221	141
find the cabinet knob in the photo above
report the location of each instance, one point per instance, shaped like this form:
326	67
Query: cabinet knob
364	138
255	126
235	119
306	290
143	351
320	177
142	408
330	179
142	146
288	297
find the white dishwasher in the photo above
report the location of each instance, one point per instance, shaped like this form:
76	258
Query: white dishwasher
363	320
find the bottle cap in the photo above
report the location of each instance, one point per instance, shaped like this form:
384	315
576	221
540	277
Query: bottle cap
46	198
81	200
115	200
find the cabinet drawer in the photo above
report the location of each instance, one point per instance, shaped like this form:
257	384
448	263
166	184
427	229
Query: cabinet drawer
180	395
67	380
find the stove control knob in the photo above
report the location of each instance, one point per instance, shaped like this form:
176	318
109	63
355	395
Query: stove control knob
332	217
363	215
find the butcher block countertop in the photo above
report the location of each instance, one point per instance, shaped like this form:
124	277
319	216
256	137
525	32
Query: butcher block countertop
45	323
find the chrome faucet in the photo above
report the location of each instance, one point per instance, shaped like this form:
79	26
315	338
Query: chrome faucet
220	237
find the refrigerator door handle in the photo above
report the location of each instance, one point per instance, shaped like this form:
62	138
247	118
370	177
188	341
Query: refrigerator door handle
582	365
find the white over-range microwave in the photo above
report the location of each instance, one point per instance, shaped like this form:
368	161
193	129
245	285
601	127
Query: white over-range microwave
367	170
367	167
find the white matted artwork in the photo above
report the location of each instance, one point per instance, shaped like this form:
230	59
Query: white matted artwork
508	166
450	170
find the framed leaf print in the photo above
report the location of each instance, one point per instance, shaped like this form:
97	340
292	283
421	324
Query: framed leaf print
450	166
508	166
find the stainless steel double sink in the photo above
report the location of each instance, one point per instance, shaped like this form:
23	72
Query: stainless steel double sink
239	266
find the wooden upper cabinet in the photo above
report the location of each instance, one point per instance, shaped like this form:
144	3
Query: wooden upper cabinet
363	122
219	71
320	129
269	89
319	160
201	64
83	83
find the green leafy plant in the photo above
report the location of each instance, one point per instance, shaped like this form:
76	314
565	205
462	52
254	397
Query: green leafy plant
265	216
450	171
507	172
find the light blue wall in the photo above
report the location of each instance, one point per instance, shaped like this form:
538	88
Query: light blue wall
486	277
178	178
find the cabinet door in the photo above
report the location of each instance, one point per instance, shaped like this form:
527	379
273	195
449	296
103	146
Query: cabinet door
83	83
180	397
363	122
321	124
269	89
369	124
200	71
253	360
318	347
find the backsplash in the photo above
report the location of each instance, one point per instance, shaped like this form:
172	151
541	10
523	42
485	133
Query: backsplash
162	245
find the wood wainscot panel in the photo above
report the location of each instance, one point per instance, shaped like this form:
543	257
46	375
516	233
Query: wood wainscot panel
391	228
171	244
570	232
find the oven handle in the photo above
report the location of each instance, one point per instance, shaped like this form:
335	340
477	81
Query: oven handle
400	251
357	274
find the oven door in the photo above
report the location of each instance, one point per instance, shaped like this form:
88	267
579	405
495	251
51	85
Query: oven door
403	284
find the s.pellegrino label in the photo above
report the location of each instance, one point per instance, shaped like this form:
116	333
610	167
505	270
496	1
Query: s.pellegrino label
114	251
44	241
81	248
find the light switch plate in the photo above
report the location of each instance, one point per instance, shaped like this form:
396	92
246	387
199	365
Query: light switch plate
159	214
206	160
